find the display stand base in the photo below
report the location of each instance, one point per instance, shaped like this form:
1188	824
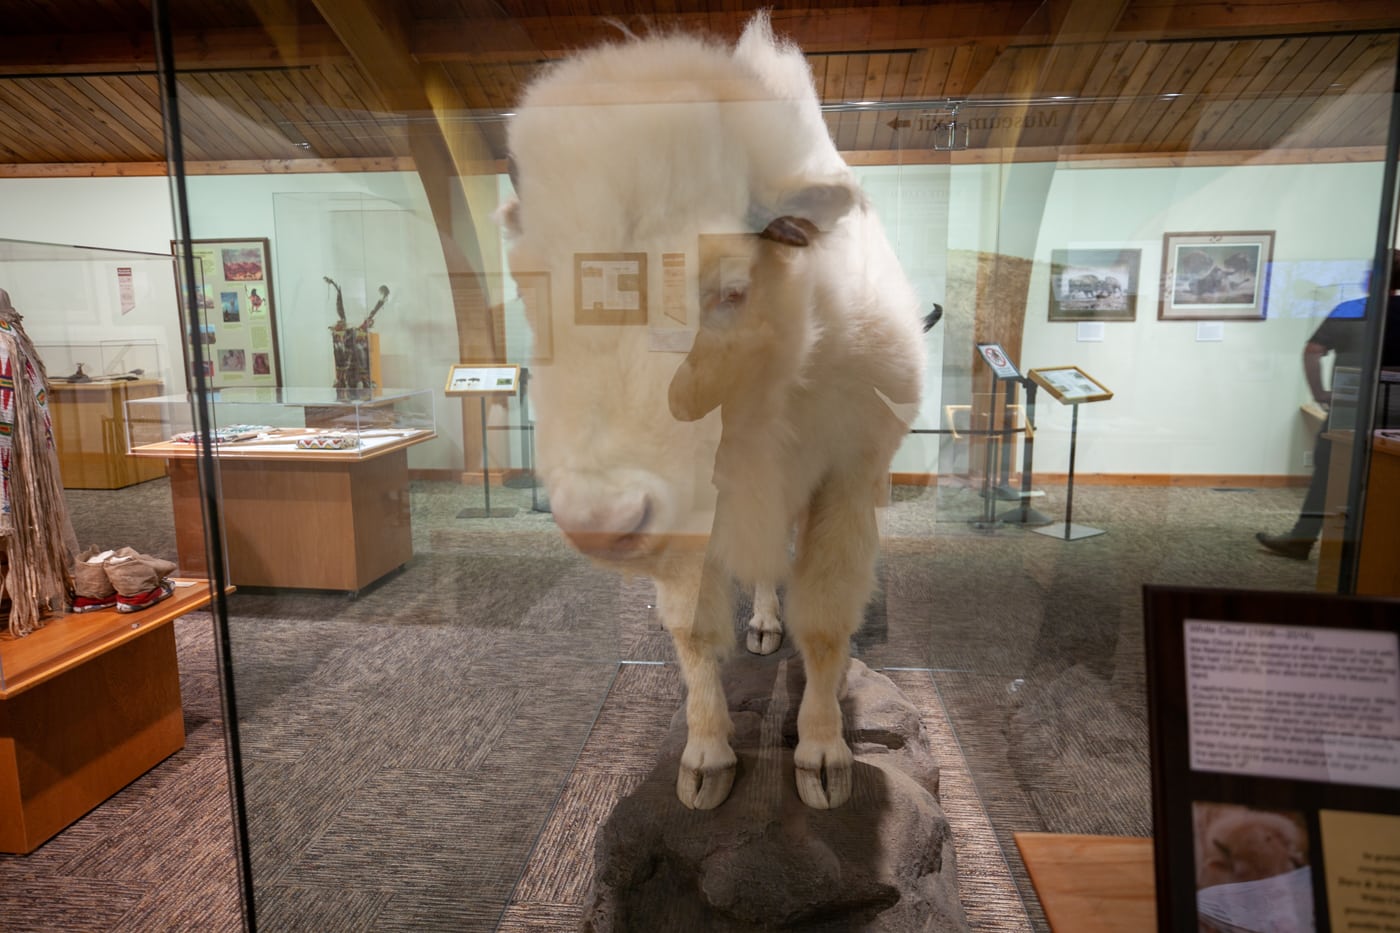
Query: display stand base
1072	533
1004	493
1031	517
483	513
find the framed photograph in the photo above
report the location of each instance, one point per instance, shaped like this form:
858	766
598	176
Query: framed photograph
235	312
1070	385
1094	284
1275	751
1215	276
996	358
610	288
474	379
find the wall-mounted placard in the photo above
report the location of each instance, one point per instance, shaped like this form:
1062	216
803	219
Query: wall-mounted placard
610	288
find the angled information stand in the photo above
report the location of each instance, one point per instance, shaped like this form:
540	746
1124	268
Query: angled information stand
465	379
1003	371
1071	386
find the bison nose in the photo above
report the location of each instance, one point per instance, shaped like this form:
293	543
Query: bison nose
616	529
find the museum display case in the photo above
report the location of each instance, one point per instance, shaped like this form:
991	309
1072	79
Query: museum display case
313	482
90	701
1129	249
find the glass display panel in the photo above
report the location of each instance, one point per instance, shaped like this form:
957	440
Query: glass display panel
462	744
95	329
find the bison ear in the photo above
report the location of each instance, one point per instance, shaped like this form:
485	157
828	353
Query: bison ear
508	216
806	210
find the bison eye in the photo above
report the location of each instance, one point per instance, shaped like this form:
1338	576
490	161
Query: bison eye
723	305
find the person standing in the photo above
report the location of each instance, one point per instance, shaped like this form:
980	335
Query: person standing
1342	334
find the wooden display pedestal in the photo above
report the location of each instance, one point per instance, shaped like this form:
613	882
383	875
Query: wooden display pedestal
1378	564
322	520
1091	884
88	704
89	424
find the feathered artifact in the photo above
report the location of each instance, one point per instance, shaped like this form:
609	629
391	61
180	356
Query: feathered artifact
351	344
339	299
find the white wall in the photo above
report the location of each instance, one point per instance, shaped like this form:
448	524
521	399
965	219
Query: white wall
71	302
1180	406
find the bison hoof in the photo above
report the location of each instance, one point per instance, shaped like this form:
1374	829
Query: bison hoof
765	629
764	640
704	788
824	779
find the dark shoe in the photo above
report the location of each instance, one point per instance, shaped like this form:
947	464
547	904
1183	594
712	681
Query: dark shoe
1286	545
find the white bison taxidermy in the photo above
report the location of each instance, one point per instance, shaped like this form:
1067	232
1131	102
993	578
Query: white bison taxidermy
702	178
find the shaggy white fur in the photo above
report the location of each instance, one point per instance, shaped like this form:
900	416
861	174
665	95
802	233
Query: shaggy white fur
806	360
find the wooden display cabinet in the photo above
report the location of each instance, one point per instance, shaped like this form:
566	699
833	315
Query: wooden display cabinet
88	704
325	520
90	430
1378	564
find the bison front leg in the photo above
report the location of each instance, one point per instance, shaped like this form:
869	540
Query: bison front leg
695	607
833	579
765	634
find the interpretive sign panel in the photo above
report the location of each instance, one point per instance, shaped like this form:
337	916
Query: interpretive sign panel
1070	385
469	379
1275	722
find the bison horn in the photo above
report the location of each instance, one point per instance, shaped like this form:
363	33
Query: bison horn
790	231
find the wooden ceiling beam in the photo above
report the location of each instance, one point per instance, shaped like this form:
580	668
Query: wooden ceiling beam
815	31
444	150
916	26
1211	19
88	53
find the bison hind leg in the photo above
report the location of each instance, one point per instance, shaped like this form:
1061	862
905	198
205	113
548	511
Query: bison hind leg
765	634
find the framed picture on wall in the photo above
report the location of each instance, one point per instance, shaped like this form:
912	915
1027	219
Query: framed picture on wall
1094	284
236	314
1215	276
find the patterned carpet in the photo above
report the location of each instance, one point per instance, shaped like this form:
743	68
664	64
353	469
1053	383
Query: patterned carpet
438	753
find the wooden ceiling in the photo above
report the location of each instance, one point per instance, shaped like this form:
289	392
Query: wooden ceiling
302	84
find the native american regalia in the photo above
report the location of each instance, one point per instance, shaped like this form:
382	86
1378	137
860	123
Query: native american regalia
351	344
34	527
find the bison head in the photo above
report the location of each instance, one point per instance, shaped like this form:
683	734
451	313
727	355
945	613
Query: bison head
674	198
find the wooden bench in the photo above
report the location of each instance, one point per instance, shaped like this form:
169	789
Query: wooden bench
88	704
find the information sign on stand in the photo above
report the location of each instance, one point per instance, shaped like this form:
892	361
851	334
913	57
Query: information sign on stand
1003	370
467	379
1071	386
1275	734
998	360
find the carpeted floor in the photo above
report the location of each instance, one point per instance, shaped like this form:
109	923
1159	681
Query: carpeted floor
437	753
